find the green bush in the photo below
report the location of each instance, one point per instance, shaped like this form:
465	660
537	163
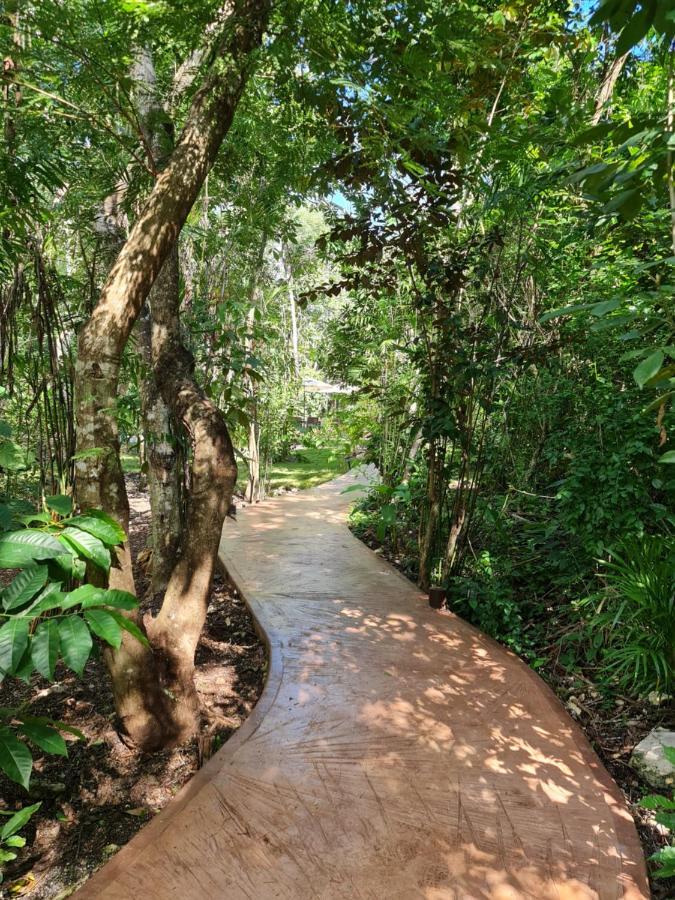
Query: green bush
664	808
634	613
49	613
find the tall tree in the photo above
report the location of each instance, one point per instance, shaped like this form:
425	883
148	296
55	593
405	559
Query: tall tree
142	701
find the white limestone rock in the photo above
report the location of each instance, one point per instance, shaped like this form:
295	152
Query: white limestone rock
650	762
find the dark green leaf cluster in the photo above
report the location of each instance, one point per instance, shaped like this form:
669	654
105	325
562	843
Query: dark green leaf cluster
50	612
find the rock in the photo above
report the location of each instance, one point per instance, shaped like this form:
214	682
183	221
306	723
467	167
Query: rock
656	698
574	707
649	759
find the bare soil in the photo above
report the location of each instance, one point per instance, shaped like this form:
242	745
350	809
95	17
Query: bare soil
94	801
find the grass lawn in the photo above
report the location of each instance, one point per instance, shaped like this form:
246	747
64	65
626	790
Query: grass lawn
130	463
314	467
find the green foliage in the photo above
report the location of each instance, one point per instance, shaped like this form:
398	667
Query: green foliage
10	839
486	598
635	614
48	615
307	468
664	808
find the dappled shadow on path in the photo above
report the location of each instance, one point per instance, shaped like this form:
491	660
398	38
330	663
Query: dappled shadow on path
396	753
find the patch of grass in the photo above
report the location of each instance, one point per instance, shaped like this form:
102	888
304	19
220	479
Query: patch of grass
312	467
130	463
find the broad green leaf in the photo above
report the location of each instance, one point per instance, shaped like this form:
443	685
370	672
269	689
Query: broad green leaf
45	648
5	517
101	526
104	626
648	368
24	587
666	858
60	504
50	598
13	642
20	547
636	29
86	595
68	729
24	669
15	841
115	598
18	820
601	309
48	739
627	203
15	758
565	311
36	517
12	457
88	546
76	643
62	568
595	133
668	457
667	819
130	626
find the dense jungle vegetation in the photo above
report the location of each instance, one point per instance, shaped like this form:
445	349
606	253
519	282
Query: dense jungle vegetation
458	216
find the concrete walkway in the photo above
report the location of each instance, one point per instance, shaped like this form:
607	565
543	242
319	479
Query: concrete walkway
395	753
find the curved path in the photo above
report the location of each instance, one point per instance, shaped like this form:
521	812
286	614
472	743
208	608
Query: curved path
395	753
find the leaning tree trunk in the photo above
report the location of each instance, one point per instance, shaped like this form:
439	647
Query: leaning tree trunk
176	629
146	711
164	461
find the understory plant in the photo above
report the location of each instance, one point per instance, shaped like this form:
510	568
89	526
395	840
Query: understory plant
664	808
53	610
634	614
10	839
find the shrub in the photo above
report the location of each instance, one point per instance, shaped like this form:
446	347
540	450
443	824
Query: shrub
635	614
48	612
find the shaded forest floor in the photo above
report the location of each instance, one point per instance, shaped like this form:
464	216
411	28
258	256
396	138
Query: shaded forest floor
613	723
94	801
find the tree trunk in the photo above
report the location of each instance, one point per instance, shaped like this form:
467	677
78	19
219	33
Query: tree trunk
459	514
165	468
253	450
428	532
288	272
604	95
147	713
163	455
253	488
176	629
